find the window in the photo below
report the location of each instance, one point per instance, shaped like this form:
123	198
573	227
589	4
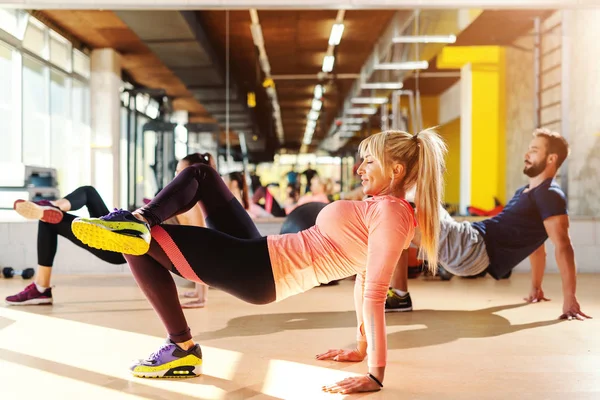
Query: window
152	109
144	187
13	22
44	106
35	38
81	134
124	173
36	135
60	51
81	64
8	20
141	102
60	130
9	110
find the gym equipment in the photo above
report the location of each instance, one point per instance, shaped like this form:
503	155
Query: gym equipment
27	182
10	272
303	217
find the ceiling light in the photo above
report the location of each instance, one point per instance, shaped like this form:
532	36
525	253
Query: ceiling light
336	34
257	35
328	63
425	39
316	105
370	100
307	140
318	92
383	85
366	110
351	128
353	120
313	115
408	65
346	134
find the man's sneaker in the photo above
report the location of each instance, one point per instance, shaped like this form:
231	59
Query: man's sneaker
395	303
42	210
30	296
170	361
118	231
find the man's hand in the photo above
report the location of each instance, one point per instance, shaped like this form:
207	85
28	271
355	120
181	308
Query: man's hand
536	295
342	355
571	310
353	385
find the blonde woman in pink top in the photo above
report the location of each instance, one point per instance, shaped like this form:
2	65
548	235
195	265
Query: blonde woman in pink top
363	238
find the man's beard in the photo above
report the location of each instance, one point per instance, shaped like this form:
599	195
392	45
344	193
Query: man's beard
534	169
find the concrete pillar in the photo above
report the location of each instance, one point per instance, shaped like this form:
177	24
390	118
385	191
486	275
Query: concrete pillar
105	83
483	121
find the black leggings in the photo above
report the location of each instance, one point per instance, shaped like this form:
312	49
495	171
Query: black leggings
47	242
232	256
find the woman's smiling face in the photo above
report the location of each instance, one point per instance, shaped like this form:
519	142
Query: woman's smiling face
373	179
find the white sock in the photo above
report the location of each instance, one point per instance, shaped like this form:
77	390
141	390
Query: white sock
40	289
399	292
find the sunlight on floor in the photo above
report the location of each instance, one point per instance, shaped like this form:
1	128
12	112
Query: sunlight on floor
50	386
466	339
285	374
75	357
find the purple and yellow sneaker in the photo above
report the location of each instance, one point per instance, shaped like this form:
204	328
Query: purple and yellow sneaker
170	361
118	231
30	296
42	210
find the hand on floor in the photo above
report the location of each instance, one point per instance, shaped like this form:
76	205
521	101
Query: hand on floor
572	310
342	355
535	296
354	384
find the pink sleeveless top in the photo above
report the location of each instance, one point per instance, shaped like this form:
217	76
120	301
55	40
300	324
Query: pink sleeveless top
350	237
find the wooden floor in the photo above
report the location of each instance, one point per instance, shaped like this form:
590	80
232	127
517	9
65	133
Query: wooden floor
466	339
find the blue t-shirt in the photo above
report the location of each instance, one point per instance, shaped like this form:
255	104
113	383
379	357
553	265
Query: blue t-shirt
292	177
518	230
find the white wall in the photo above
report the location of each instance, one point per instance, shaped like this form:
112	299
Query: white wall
583	47
578	111
519	111
449	108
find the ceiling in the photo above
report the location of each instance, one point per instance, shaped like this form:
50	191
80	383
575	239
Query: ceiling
489	28
103	29
295	43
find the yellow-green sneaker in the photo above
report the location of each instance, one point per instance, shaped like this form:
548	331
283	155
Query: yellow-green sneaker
396	303
118	231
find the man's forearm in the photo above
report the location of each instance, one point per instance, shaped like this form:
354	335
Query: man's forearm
538	264
565	258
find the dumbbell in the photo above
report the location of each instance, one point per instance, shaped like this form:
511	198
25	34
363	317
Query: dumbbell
10	272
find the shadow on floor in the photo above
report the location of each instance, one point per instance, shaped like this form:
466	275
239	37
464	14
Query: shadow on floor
443	326
127	386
